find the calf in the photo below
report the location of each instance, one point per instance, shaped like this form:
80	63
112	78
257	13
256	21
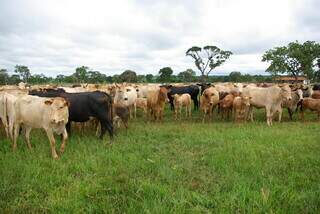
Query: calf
183	100
192	90
156	102
85	105
240	107
311	104
208	101
226	105
142	104
51	115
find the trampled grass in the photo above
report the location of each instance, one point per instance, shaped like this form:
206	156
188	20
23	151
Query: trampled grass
171	167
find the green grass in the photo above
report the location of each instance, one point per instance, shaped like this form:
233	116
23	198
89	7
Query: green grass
170	167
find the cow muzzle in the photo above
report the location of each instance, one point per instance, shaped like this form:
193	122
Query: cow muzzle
126	98
211	104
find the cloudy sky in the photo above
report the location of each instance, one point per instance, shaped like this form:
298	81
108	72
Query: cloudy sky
55	36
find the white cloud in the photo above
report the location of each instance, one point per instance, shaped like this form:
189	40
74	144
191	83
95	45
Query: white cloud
56	36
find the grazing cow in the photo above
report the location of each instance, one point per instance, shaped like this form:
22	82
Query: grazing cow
51	114
182	100
311	104
85	105
156	101
291	105
269	98
192	90
316	94
208	100
226	105
142	104
240	107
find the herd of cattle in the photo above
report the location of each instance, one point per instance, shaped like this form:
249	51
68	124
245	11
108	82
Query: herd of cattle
53	108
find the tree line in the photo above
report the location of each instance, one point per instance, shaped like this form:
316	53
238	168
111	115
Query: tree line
295	59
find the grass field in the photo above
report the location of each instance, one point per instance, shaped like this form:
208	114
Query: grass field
169	167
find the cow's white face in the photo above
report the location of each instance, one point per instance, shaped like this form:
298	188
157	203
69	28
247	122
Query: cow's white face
59	110
286	92
300	94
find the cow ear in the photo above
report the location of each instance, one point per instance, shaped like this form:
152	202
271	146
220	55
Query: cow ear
48	102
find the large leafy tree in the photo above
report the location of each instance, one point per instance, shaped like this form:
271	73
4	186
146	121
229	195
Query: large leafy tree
165	74
235	76
23	71
81	74
207	58
294	59
128	76
4	77
187	75
149	78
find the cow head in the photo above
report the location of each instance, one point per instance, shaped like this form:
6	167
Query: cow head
59	110
286	92
246	100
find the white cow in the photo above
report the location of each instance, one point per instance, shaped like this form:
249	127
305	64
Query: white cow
269	98
51	114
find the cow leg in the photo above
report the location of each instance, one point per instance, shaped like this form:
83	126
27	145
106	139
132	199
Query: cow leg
15	136
302	115
27	137
135	110
269	116
105	125
280	114
64	141
68	127
290	113
52	143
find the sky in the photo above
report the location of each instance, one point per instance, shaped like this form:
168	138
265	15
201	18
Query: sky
56	36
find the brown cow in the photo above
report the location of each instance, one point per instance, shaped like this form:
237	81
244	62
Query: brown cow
315	94
311	104
156	101
208	101
226	105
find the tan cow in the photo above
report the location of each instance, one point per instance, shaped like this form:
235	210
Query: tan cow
269	98
3	113
315	94
142	104
312	105
208	101
156	101
182	100
240	107
226	105
51	114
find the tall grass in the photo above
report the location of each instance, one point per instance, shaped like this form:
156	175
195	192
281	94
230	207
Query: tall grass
170	167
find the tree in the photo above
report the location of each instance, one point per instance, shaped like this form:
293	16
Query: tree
235	76
14	79
96	77
165	74
81	74
128	76
207	58
4	77
149	78
23	72
187	75
294	59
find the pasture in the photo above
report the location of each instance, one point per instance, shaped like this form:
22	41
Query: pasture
170	167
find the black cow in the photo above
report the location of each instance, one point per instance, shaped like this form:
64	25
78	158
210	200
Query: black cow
193	90
83	106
